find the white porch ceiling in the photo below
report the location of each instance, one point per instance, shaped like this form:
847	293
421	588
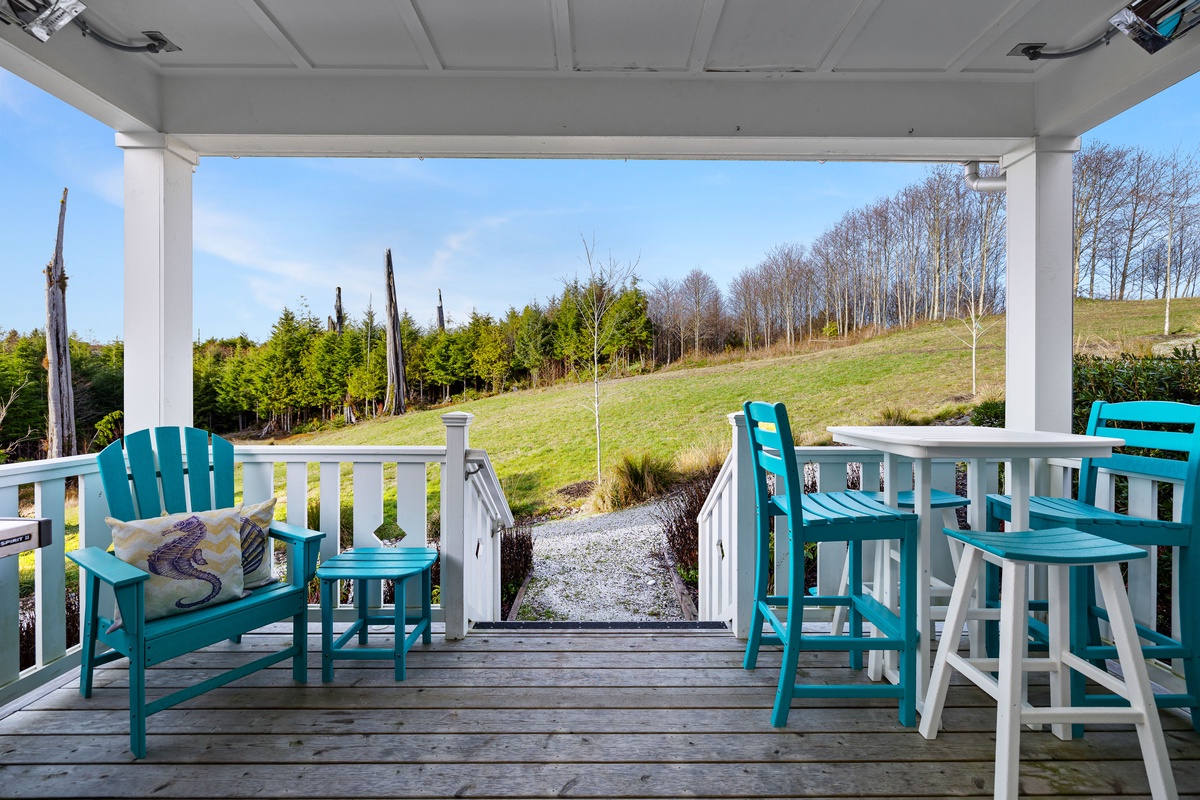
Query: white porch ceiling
639	78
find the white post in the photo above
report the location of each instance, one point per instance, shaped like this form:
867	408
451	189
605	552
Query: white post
743	547
158	280
454	529
1040	289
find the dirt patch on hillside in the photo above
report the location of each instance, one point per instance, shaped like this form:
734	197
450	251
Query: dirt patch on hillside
577	491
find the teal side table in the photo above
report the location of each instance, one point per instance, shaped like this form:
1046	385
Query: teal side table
364	564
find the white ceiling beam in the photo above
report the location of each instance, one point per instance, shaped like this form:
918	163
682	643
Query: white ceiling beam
858	20
564	47
678	148
1011	16
682	107
420	36
271	28
706	31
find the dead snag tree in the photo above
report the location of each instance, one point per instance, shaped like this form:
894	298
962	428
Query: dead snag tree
61	422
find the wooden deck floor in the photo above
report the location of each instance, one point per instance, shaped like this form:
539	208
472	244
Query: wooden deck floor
539	713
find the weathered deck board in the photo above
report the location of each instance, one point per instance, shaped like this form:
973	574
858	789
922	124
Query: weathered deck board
545	714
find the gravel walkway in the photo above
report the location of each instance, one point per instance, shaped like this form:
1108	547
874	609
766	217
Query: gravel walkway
601	568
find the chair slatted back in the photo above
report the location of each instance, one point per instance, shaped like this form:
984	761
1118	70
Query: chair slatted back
771	437
162	470
1124	421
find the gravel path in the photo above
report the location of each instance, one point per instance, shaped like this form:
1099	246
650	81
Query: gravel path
601	568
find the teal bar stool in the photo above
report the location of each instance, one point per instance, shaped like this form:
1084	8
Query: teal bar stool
847	517
1060	550
363	564
1162	441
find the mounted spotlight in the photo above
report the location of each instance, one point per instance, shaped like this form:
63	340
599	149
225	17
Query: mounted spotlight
1154	24
43	18
40	18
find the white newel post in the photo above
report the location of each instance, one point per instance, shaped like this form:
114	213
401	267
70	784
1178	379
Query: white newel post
1040	290
743	547
454	532
158	280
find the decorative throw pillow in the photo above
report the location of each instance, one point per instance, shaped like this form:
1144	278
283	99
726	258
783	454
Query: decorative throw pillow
256	546
194	558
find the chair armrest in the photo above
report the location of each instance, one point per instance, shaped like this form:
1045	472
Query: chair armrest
107	567
310	541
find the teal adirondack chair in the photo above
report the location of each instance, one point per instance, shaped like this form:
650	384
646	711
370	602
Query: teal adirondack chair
850	517
1170	451
179	467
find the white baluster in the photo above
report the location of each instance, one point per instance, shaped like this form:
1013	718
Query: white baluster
50	573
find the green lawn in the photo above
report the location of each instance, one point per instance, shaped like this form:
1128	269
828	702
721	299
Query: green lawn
541	440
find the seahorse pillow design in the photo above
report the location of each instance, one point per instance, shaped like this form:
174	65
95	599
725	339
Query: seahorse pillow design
194	558
256	547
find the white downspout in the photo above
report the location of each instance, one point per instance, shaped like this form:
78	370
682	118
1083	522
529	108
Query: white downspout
997	183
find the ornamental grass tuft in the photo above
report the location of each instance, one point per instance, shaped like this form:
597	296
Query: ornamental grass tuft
635	478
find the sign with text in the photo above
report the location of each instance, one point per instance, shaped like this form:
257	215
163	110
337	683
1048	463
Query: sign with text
18	534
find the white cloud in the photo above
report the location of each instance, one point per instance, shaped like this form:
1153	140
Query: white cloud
274	274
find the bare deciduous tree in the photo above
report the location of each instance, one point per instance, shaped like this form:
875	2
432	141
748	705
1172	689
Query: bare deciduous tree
606	280
699	299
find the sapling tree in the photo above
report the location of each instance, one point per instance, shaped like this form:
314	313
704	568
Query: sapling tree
594	298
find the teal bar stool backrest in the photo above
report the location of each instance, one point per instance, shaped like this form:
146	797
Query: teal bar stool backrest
167	469
770	437
1176	438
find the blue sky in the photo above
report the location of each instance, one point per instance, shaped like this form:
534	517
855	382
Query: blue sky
491	234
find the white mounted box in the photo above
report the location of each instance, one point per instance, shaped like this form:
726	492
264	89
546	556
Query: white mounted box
18	534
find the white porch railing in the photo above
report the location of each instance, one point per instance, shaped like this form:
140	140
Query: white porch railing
726	546
473	512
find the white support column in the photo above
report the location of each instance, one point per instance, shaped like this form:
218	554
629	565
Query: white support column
1040	291
454	485
158	280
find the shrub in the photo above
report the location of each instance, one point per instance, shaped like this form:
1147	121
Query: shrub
989	413
1134	377
634	479
516	562
678	515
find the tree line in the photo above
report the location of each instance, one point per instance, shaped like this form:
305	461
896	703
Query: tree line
307	373
934	250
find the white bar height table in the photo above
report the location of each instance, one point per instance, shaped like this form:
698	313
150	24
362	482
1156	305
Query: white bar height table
923	443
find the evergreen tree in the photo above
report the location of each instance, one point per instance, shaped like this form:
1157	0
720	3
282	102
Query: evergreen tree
534	345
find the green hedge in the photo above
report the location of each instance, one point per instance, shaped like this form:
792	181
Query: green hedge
1127	377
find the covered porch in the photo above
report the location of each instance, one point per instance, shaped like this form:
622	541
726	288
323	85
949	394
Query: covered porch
500	713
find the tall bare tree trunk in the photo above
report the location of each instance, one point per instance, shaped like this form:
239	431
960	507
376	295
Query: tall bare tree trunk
441	316
61	423
393	401
339	316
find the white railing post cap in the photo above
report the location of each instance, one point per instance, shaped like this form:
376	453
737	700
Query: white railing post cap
457	419
738	419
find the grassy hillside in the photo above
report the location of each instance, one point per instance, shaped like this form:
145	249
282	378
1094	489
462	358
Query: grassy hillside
541	440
